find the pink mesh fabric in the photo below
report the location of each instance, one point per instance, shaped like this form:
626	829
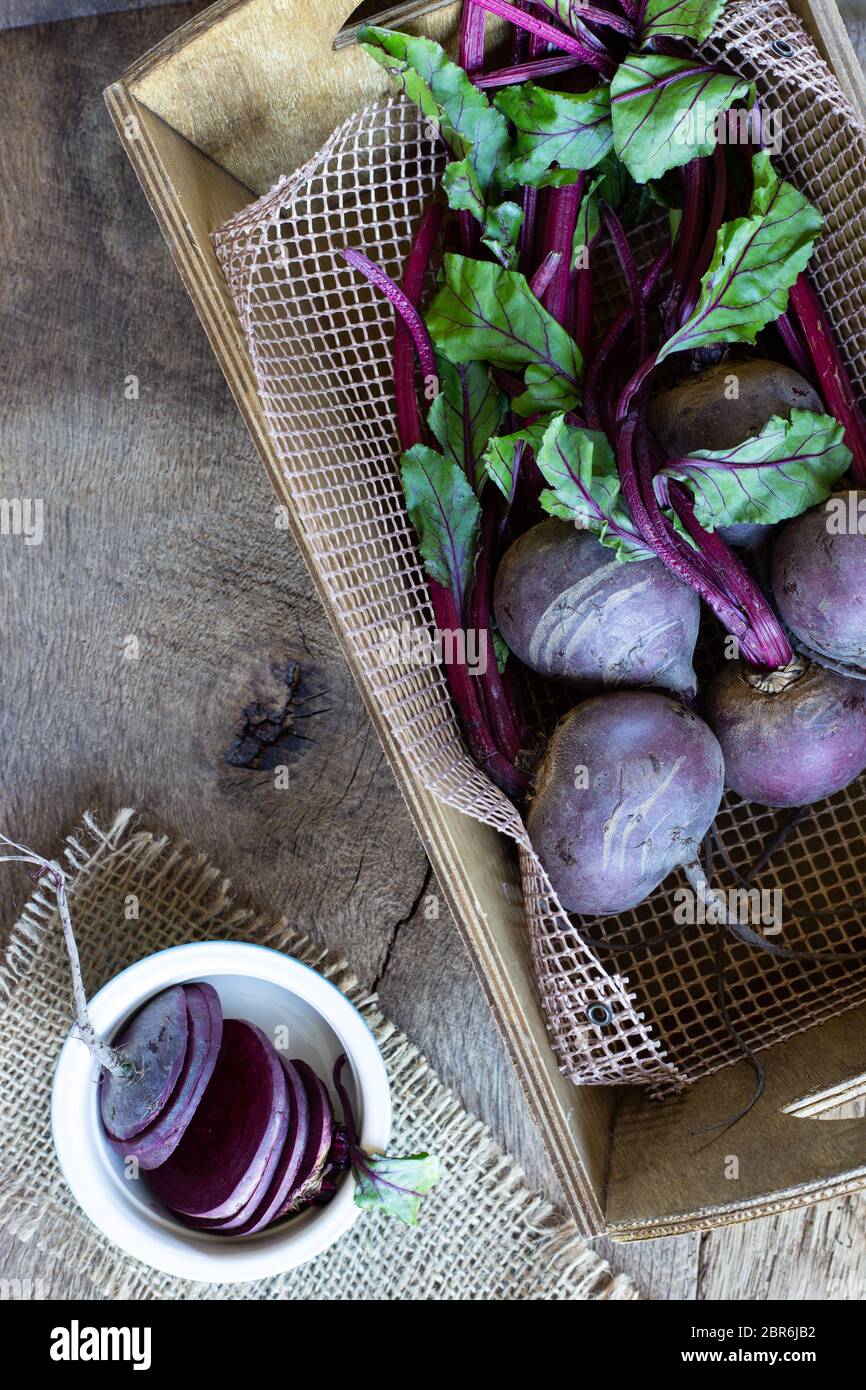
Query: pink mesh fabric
321	340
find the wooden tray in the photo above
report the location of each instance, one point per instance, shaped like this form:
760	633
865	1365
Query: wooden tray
210	118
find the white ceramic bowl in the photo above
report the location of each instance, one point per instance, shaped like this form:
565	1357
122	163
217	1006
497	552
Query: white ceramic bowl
268	989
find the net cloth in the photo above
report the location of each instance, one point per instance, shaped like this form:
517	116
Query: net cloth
320	339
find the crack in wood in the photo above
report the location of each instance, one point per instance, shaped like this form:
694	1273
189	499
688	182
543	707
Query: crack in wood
395	930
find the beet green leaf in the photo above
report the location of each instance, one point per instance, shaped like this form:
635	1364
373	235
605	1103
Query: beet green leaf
468	410
664	111
473	130
686	19
570	130
446	515
504	451
580	468
394	1185
483	312
790	466
755	263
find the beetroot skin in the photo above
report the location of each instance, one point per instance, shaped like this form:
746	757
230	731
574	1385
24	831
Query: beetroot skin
159	1140
819	583
568	608
628	788
155	1040
790	748
234	1141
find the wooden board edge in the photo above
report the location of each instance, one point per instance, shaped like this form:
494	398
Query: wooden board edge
824	22
583	1202
713	1218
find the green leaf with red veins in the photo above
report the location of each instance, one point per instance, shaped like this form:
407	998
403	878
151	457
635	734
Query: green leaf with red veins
580	467
446	515
467	412
664	110
486	313
571	130
500	456
686	19
469	125
473	130
394	1185
755	263
790	466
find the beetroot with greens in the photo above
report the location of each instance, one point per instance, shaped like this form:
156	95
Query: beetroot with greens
663	443
567	609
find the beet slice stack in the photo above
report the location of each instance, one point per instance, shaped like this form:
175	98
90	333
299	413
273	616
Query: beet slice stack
233	1136
235	1139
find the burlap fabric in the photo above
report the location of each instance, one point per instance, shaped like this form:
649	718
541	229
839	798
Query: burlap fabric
484	1234
320	340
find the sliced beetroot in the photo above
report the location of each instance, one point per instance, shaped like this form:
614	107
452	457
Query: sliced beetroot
155	1040
234	1141
309	1175
159	1140
266	1203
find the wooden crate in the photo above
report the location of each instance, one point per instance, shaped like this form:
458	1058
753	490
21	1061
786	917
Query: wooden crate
211	118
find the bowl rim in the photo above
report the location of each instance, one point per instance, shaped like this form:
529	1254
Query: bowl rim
191	1254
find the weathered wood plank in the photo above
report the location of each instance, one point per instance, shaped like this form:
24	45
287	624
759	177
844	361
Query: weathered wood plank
15	13
164	601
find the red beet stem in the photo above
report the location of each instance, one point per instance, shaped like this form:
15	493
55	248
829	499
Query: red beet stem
549	33
527	72
562	209
407	311
833	379
544	274
502	721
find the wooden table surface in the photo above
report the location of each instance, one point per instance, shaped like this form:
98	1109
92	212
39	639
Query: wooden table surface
159	525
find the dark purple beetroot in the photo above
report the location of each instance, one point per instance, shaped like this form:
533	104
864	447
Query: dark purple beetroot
568	608
155	1039
234	1141
158	1141
819	582
792	747
312	1165
627	789
266	1202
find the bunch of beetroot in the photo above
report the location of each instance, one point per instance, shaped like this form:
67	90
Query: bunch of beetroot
584	490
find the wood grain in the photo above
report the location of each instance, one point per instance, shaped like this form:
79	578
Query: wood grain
15	13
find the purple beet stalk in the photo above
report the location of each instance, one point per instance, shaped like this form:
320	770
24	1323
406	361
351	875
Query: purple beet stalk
833	379
411	334
527	72
548	33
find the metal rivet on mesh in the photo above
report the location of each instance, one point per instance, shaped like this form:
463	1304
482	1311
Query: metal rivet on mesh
599	1014
782	47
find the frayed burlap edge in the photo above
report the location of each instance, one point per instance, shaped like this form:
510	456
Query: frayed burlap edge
484	1234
